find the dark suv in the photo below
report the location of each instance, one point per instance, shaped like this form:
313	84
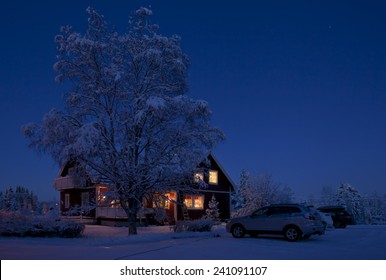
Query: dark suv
340	217
293	221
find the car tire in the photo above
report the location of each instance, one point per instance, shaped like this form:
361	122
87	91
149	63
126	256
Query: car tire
292	233
238	231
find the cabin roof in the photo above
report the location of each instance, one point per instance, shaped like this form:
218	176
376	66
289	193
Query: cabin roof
211	156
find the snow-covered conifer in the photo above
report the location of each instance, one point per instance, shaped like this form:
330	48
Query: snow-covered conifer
350	198
212	212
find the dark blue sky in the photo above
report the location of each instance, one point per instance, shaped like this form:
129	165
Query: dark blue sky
298	87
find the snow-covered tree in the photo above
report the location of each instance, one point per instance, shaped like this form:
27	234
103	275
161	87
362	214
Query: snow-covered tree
350	198
327	196
238	200
375	208
2	201
20	199
212	212
10	200
258	191
126	117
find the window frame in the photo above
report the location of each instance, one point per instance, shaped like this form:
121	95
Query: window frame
192	201
67	202
85	199
210	177
162	201
198	177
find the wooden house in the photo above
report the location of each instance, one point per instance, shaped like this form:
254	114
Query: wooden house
89	200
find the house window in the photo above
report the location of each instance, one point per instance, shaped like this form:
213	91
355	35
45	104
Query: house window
198	177
66	200
102	195
162	201
71	171
213	177
107	197
194	201
85	199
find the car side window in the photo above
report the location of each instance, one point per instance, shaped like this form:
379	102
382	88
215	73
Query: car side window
260	212
293	210
270	212
278	211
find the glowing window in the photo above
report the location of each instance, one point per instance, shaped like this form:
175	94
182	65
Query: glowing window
162	201
188	201
213	177
107	197
194	201
198	177
102	195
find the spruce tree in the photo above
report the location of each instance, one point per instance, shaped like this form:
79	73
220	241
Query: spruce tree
213	212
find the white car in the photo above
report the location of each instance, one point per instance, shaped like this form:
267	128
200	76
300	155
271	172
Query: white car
327	220
293	221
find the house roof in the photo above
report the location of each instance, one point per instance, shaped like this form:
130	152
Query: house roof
64	169
223	171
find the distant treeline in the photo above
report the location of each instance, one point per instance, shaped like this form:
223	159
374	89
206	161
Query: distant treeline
20	199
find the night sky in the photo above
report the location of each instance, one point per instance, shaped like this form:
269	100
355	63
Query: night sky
298	87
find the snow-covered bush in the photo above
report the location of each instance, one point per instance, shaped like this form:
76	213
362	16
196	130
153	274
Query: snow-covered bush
200	225
17	224
13	223
160	215
69	229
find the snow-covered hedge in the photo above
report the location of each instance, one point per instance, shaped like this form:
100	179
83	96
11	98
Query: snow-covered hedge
16	224
200	225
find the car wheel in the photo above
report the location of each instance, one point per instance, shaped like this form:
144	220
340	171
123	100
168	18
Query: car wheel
238	231
292	233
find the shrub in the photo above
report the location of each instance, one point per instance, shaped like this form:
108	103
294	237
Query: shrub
201	225
17	224
70	229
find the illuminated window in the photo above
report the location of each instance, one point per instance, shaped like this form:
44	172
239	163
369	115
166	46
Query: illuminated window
194	201
102	195
107	197
162	201
198	177
115	203
213	177
67	200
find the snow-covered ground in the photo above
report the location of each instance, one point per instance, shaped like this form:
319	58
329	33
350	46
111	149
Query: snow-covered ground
359	242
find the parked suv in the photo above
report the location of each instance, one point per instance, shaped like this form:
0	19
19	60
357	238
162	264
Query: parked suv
340	217
293	221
